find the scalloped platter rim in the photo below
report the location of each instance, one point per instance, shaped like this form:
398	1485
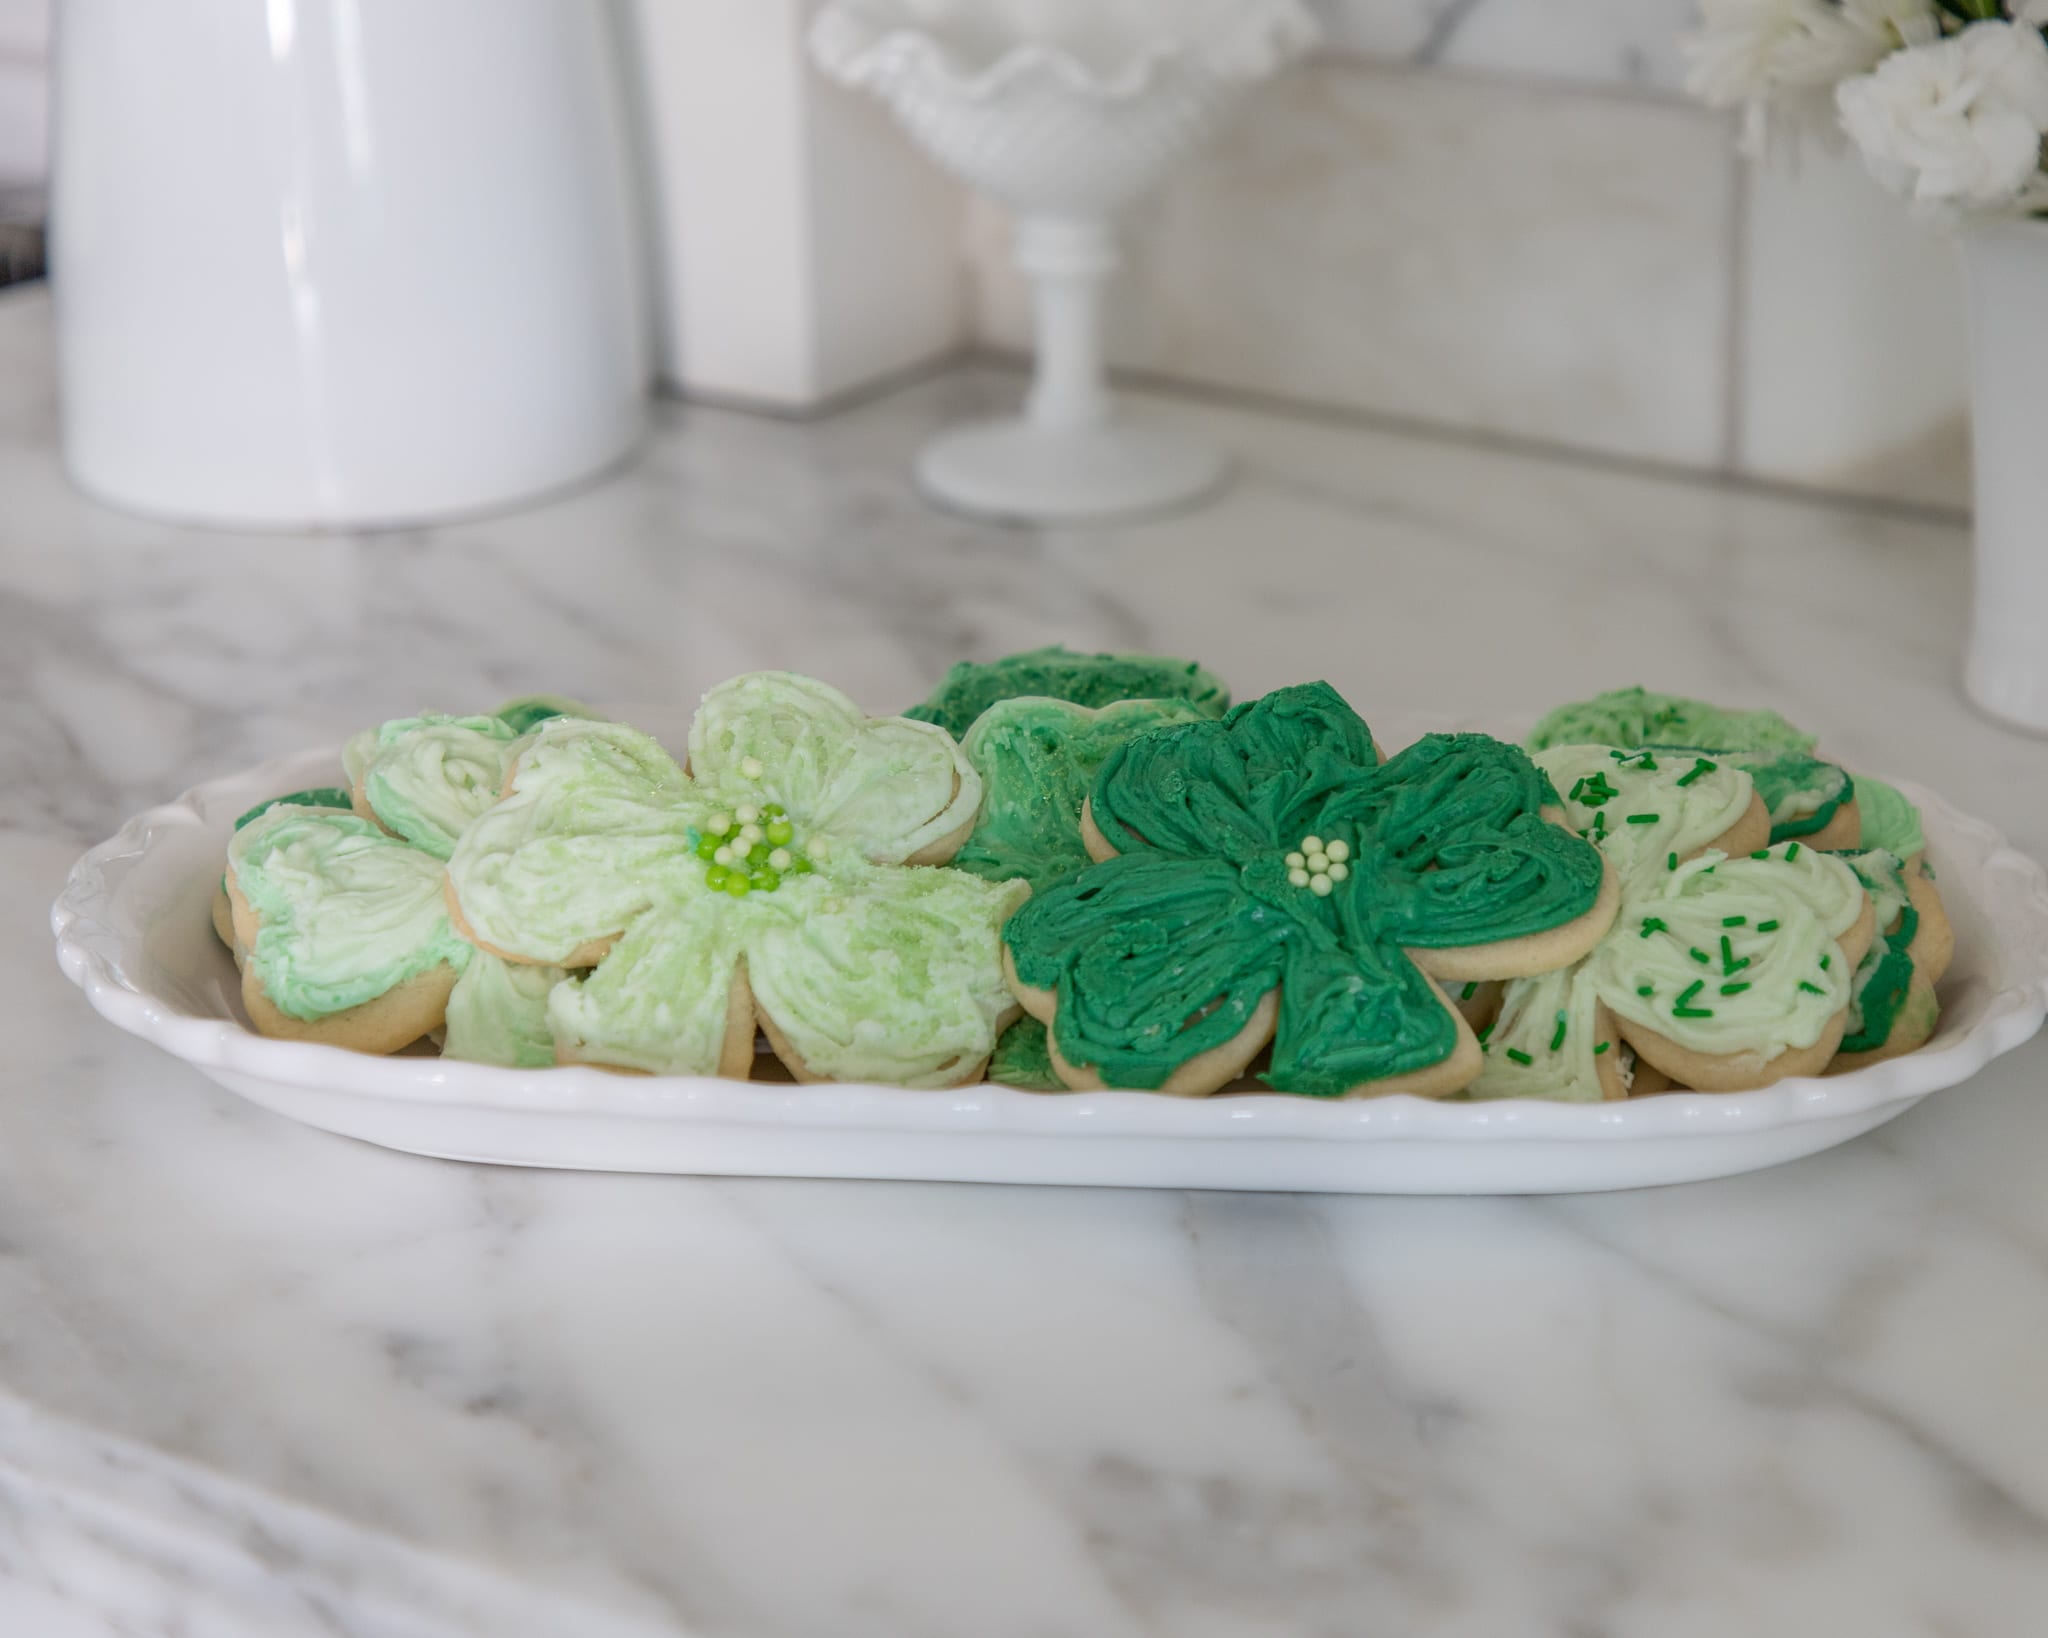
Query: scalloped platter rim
133	931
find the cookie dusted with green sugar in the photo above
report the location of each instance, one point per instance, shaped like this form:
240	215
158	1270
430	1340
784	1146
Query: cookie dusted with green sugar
1266	878
1095	680
344	930
793	879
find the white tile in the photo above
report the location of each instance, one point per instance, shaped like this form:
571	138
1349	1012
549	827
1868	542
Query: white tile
1467	252
1607	42
1853	363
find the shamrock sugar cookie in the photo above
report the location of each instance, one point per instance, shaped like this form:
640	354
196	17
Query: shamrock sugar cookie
324	796
1893	1008
344	930
1080	679
1810	801
1631	718
424	779
1037	759
777	880
1738	972
1170	963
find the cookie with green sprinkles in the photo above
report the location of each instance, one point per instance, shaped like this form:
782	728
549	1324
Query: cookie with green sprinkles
1635	717
1737	973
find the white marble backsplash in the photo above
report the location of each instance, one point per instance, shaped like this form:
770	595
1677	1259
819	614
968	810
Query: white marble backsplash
1505	216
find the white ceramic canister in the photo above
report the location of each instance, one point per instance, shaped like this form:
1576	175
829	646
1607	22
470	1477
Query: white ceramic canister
342	262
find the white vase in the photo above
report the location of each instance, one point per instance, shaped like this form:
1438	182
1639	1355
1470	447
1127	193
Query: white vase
2006	671
1062	111
342	262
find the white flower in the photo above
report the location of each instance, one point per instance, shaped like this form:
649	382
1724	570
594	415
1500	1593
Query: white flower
1788	55
1958	121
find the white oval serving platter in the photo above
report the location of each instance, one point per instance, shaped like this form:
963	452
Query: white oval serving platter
134	931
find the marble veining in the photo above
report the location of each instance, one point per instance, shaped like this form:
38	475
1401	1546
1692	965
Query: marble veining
255	1380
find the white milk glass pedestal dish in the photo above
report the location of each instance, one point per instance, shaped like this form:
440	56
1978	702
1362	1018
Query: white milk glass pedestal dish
1062	113
2006	672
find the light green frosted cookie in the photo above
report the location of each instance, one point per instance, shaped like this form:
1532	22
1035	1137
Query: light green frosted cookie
1634	717
345	929
767	881
498	1013
425	779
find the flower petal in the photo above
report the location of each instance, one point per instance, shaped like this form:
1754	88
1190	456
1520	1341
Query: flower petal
1238	789
595	828
662	999
882	974
890	787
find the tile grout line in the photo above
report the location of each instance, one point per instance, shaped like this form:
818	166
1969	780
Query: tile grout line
1735	317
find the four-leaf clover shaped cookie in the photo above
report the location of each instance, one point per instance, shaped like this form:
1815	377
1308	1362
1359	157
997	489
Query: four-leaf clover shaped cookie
787	877
1267	878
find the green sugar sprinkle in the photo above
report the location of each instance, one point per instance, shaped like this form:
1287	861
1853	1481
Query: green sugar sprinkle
1602	1047
1727	954
1691	990
1703	766
1791	852
1469	991
1734	989
1651	925
1557	1040
1824	961
1767	927
1484	1033
1643	818
1692	1012
1811	989
1520	1056
1593	790
1671	861
1646	989
1761	853
1734	921
1701	957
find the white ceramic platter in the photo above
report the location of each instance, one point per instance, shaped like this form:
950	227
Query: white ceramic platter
134	931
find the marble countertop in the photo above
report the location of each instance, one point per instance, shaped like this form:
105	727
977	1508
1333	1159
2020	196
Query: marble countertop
256	1380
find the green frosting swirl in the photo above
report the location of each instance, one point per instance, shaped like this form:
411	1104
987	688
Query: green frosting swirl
1037	759
346	912
970	688
498	1013
1802	793
1165	951
1890	822
1634	717
428	778
1884	978
529	711
324	796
